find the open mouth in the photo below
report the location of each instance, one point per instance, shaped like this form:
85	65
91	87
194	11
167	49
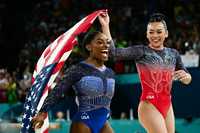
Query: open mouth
104	51
155	40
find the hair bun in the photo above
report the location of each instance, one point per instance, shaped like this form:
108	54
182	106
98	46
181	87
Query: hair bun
157	17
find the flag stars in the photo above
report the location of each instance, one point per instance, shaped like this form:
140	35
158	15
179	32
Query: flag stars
39	88
32	110
29	98
27	107
35	99
30	118
43	72
42	75
22	125
34	96
24	116
27	127
37	85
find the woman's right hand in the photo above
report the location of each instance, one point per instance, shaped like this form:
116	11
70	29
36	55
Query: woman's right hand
38	120
104	18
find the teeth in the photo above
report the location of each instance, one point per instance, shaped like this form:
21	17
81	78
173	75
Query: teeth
155	40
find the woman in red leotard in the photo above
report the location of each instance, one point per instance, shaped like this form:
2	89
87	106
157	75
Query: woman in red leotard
157	66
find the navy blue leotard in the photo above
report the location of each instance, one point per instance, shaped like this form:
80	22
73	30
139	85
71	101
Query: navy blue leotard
94	89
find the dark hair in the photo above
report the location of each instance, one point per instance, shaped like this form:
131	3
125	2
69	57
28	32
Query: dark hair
158	17
87	40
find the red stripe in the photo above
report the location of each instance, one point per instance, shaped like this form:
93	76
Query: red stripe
46	89
47	51
46	131
69	44
58	67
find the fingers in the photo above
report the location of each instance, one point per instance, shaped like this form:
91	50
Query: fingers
180	75
104	13
37	124
183	77
38	120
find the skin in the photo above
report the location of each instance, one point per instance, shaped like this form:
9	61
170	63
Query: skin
149	117
98	50
98	54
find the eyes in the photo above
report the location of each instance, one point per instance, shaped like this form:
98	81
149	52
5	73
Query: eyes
158	32
101	42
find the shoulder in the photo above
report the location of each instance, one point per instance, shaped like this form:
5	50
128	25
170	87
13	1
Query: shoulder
172	50
139	46
75	68
110	72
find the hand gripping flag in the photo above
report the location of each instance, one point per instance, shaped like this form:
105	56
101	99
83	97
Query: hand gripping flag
48	67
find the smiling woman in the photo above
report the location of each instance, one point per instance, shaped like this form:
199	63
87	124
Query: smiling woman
157	66
93	84
96	48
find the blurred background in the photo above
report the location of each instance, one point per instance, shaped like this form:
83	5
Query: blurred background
28	27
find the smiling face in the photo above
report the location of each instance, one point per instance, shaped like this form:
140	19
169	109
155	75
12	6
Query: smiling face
156	34
98	48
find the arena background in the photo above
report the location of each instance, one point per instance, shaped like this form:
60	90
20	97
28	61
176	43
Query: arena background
27	27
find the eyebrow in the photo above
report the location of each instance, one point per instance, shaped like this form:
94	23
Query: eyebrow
100	39
155	29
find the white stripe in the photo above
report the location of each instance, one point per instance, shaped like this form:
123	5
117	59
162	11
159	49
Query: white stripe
42	100
40	64
65	56
52	78
56	48
62	43
34	74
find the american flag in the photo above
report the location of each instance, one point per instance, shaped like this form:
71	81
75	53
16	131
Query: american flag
47	68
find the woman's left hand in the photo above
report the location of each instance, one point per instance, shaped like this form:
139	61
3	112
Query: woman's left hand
182	76
104	18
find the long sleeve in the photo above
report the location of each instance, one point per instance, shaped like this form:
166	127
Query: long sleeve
62	88
179	63
129	53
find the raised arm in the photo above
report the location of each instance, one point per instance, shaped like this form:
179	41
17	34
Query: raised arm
129	53
104	20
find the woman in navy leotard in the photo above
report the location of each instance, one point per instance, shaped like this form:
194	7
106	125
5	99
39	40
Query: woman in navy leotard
93	84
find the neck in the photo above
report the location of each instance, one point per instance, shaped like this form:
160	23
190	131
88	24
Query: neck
97	63
157	48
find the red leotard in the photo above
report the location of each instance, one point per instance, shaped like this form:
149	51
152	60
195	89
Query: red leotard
155	68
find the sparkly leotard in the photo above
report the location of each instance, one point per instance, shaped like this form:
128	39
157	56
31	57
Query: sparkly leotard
94	89
155	69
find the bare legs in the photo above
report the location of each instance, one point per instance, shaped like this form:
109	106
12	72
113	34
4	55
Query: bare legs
107	128
152	120
79	127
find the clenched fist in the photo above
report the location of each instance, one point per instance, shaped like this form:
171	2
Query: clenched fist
38	120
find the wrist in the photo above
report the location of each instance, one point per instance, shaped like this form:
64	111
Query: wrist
43	114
